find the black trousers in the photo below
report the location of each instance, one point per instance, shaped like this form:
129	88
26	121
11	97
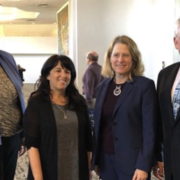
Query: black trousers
91	117
172	177
8	156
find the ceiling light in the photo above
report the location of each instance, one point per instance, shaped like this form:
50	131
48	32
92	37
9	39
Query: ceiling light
31	20
11	13
43	5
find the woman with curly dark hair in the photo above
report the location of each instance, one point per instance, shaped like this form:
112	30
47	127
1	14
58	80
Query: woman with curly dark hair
56	125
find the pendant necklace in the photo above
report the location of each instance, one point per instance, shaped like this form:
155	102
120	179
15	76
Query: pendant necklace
117	91
64	112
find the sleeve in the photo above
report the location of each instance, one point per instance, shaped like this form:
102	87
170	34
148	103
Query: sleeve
159	146
88	132
31	125
0	140
13	62
146	157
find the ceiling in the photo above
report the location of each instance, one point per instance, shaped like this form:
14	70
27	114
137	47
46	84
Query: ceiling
32	17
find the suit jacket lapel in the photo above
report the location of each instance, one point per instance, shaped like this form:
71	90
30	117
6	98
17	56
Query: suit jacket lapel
127	89
176	68
177	118
167	93
166	101
101	93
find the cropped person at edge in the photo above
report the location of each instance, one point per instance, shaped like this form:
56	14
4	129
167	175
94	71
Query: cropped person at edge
168	89
12	107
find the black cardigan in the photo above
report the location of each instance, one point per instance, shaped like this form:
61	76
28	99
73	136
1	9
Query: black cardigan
40	132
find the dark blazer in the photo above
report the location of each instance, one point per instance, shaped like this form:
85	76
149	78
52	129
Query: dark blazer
171	127
133	124
91	79
40	132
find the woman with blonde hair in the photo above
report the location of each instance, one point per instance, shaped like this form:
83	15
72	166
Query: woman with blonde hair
125	116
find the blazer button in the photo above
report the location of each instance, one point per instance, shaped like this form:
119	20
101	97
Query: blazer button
116	139
114	123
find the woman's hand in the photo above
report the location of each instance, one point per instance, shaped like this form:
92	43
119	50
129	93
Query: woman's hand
22	150
35	163
158	171
96	169
90	174
140	175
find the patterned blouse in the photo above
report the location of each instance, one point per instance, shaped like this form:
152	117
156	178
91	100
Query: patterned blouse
10	111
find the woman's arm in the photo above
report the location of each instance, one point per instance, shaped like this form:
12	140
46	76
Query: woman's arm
89	159
146	157
35	163
89	155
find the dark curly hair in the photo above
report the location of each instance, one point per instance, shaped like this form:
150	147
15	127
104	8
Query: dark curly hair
43	86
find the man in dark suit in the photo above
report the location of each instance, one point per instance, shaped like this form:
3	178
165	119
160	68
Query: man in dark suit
91	80
169	116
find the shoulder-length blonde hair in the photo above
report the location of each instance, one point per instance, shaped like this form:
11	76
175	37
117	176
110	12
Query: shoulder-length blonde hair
137	67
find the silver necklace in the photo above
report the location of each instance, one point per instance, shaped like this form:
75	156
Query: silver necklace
64	112
117	91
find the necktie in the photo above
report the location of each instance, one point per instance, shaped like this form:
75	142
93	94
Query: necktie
176	100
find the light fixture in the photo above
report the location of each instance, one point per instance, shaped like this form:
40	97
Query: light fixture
0	8
12	13
43	5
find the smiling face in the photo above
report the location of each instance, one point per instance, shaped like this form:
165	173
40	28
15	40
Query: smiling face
121	60
59	78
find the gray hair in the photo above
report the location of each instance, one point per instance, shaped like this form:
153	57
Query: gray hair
177	26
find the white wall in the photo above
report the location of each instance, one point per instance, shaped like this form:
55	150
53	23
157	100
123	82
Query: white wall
32	63
149	23
93	24
29	45
30	53
89	34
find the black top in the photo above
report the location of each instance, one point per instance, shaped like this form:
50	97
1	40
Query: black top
106	136
41	132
